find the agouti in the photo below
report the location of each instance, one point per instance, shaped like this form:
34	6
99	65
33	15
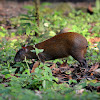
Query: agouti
59	46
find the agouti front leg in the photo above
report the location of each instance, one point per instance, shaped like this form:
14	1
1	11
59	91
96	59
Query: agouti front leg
41	57
44	57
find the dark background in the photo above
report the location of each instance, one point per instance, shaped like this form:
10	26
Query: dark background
54	0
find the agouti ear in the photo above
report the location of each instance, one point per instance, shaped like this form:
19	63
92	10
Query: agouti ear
23	47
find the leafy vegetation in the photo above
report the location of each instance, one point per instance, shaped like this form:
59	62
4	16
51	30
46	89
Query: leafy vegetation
42	84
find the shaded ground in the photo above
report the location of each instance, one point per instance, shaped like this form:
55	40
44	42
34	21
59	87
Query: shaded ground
11	9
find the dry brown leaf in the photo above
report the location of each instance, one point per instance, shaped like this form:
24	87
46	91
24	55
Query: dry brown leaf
64	64
53	66
91	74
68	76
56	71
93	40
80	91
63	69
94	67
36	64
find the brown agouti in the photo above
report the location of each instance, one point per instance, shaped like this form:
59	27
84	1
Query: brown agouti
59	46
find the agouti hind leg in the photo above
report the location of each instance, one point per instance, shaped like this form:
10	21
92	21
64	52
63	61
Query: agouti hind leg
80	58
83	63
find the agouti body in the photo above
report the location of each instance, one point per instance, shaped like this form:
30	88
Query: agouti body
59	46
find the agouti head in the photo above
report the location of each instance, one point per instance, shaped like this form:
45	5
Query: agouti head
25	52
59	46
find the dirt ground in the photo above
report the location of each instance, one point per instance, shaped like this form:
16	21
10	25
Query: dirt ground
10	9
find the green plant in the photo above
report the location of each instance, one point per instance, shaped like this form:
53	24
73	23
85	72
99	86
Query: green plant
27	22
3	32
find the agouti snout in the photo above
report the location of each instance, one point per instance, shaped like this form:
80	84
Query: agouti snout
59	46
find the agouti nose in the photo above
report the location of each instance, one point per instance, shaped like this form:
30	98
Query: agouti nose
17	60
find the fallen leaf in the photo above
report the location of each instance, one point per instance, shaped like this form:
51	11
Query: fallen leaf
64	64
80	91
91	74
53	66
97	71
94	67
56	71
94	40
36	64
63	69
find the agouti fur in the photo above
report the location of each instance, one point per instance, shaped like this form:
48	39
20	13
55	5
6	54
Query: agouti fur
59	46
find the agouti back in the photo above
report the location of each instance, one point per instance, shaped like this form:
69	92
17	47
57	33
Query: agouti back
59	46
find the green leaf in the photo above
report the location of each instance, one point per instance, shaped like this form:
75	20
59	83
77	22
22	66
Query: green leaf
36	70
38	51
7	76
28	31
72	81
44	84
52	33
